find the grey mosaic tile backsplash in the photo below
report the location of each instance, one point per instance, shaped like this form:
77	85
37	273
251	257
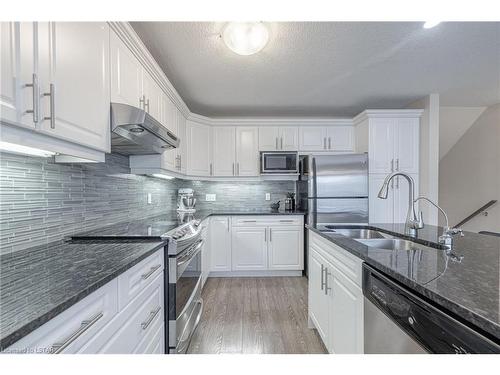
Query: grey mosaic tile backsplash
41	201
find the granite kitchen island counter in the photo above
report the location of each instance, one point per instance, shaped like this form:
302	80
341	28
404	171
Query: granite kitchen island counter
465	282
39	283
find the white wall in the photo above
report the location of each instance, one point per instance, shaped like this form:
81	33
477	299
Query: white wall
429	154
470	173
453	123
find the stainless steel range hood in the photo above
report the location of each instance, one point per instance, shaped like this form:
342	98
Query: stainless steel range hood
135	132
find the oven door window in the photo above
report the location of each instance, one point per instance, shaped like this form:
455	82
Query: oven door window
190	274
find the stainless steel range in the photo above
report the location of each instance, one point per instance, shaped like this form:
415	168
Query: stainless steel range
183	294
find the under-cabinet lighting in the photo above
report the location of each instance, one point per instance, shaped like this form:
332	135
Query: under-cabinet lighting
164	176
24	150
431	24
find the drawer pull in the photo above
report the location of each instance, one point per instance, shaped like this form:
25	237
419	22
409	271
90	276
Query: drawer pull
152	315
85	325
150	272
249	221
286	221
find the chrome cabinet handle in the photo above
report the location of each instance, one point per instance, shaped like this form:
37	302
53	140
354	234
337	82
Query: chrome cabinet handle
52	104
150	272
397	164
286	221
392	165
270	235
211	170
282	143
142	102
228	224
265	235
84	326
180	162
233	170
146	105
35	110
327	288
397	182
322	277
249	221
276	143
324	143
152	316
329	143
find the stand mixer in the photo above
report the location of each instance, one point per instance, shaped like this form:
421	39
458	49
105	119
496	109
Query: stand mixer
186	200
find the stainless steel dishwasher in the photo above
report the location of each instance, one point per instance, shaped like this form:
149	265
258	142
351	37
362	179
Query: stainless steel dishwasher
398	321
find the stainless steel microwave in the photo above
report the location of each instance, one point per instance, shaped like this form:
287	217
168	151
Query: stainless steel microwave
279	162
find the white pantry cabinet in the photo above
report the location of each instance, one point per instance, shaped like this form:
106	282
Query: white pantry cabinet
278	138
326	138
335	296
199	149
220	243
249	248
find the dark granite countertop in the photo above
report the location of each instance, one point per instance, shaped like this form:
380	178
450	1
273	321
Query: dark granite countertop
465	282
156	226
39	283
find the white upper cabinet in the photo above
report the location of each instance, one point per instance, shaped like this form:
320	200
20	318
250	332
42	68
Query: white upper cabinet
153	96
199	150
393	145
275	138
181	151
269	138
380	210
75	82
247	151
326	138
126	74
224	163
340	138
312	138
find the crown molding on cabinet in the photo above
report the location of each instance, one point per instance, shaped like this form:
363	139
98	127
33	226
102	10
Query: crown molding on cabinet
269	121
387	113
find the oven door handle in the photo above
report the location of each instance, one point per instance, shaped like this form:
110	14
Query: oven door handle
190	254
183	344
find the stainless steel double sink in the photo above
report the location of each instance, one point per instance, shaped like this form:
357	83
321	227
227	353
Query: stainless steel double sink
376	239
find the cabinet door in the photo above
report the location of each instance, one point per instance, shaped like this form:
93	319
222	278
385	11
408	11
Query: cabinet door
224	151
74	58
340	138
318	303
183	146
289	138
406	145
381	145
380	210
286	248
400	197
198	136
168	120
346	315
247	151
249	248
220	243
206	263
126	74
269	138
154	96
312	138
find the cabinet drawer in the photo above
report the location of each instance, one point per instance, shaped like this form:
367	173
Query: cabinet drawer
266	220
73	328
138	277
130	327
349	264
154	342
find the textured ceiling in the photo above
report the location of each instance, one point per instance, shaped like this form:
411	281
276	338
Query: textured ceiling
328	68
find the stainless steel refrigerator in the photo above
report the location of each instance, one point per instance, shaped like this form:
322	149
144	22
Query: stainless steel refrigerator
333	189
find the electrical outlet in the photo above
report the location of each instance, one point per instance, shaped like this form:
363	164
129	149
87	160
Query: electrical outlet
268	196
150	200
210	197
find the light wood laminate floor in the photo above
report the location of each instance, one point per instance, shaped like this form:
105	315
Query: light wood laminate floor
255	315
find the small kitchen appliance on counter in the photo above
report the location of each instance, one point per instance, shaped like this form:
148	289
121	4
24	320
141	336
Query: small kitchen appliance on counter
186	200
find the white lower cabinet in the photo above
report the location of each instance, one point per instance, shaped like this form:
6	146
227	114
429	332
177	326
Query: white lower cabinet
100	323
220	243
205	251
286	248
249	248
335	296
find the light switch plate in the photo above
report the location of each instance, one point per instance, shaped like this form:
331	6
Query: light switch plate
268	196
210	197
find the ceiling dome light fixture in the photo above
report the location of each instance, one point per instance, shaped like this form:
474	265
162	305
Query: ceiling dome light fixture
245	38
431	24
